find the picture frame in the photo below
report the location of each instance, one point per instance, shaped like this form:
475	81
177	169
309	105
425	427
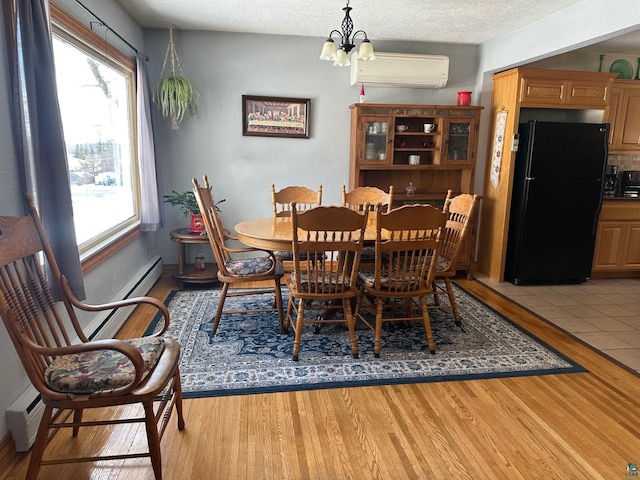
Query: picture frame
275	116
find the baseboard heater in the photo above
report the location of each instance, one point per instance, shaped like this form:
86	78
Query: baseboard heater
23	415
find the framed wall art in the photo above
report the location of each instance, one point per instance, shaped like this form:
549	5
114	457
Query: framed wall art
275	116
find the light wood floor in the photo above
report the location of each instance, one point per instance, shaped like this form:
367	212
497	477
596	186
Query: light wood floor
573	426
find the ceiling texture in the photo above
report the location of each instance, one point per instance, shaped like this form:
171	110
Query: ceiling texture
450	21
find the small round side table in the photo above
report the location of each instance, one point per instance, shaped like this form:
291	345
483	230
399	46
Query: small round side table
185	271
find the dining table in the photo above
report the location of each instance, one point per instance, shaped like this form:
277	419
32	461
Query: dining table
274	233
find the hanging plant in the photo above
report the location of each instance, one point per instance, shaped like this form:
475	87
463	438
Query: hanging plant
174	94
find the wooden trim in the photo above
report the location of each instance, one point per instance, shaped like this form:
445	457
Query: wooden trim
65	21
105	253
625	274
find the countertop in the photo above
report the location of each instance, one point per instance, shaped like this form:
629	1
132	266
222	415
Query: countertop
624	199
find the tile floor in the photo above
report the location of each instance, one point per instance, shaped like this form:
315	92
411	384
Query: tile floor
605	313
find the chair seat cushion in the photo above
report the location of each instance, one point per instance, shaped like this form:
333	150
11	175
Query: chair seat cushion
249	266
443	264
288	256
368	254
368	278
282	255
90	372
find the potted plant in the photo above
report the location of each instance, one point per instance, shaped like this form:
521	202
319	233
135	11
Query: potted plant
174	94
189	207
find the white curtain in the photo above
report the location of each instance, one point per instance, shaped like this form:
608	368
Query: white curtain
152	207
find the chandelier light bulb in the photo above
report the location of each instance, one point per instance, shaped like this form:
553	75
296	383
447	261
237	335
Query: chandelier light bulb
328	50
366	51
342	59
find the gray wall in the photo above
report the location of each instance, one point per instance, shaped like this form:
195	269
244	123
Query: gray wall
241	168
227	65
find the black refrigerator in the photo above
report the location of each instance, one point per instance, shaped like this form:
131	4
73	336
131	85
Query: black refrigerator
556	200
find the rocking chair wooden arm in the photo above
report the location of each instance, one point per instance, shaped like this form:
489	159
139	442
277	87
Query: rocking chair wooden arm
249	249
229	236
118	304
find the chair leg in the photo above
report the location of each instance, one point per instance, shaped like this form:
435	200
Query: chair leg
298	329
287	317
427	324
223	297
377	342
39	445
351	325
153	439
177	392
452	301
436	298
278	293
77	419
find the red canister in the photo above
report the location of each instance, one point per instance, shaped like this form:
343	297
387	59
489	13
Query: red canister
464	98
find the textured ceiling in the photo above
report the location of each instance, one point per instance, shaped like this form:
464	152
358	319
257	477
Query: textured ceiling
450	21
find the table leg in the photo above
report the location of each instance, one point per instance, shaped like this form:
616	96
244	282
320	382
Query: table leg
180	258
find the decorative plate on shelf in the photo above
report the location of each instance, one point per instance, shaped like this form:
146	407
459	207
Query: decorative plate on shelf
623	68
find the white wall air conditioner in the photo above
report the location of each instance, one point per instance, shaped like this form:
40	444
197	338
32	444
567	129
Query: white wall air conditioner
401	70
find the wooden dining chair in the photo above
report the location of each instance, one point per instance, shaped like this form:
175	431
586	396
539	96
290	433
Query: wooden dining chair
304	197
358	197
326	245
460	211
405	265
72	373
238	264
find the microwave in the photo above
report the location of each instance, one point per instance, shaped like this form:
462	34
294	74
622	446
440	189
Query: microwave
630	183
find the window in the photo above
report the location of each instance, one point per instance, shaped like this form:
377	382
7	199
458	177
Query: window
96	94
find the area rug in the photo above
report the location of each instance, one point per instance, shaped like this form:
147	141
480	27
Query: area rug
248	354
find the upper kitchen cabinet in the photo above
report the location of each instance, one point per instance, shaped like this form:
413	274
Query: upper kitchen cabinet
536	91
390	145
545	88
624	118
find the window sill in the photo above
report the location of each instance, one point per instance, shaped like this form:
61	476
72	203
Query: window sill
103	253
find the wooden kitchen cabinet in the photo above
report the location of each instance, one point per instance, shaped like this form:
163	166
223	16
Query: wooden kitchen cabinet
381	147
617	250
624	118
543	88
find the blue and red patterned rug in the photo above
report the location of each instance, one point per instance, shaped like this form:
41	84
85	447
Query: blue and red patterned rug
248	354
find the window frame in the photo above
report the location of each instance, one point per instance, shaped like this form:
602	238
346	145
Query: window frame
100	248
